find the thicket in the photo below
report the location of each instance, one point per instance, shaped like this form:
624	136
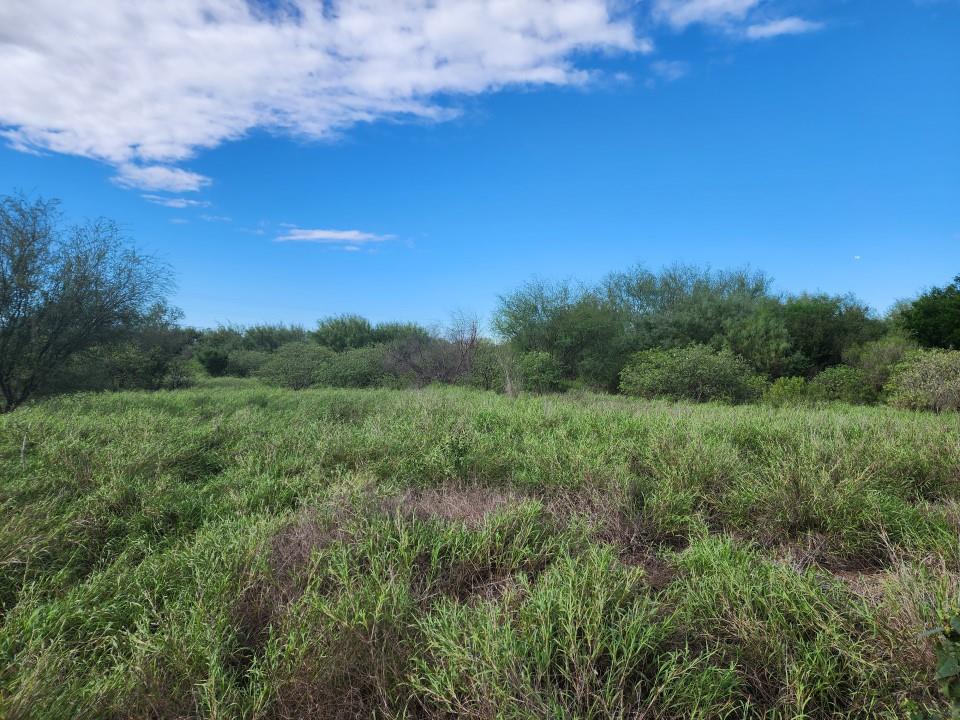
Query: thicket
80	310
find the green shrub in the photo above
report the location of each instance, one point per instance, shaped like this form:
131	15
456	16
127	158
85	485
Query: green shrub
358	368
296	365
244	363
214	360
696	373
927	380
490	363
787	391
844	384
878	358
540	372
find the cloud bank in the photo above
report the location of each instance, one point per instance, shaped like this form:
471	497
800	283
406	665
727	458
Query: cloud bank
144	86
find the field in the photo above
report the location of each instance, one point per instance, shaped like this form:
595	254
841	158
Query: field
239	551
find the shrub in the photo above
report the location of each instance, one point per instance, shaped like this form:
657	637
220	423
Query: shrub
696	373
244	363
296	365
214	360
878	358
540	372
359	368
843	383
344	332
927	380
787	391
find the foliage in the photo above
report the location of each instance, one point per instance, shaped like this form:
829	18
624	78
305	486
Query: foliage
216	361
296	365
844	384
821	327
926	380
63	290
933	319
344	332
539	372
357	368
787	391
244	363
695	373
877	358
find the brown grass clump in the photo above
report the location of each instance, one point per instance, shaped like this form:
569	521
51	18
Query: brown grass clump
469	505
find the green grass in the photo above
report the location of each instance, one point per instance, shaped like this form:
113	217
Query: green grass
235	551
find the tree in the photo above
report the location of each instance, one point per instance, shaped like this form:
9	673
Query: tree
63	290
933	319
448	359
344	332
822	327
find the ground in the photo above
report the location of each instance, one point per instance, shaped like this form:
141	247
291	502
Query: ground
239	551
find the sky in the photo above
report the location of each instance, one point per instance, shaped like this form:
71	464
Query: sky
404	159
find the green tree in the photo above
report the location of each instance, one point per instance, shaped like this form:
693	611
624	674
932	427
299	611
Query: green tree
63	290
344	332
933	319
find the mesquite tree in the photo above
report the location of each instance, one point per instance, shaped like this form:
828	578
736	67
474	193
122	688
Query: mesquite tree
63	289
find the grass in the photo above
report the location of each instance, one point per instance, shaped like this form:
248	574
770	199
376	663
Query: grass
235	551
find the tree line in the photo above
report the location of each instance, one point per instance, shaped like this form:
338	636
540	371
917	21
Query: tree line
80	309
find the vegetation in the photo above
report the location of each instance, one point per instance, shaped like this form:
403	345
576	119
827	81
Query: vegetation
694	373
933	319
63	291
237	550
927	380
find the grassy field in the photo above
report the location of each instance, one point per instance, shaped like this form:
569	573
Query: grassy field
238	551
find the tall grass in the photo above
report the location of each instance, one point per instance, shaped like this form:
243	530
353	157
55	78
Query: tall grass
239	551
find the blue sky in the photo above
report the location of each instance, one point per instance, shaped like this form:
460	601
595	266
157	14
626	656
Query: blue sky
294	161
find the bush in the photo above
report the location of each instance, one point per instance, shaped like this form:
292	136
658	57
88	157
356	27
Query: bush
843	383
878	358
244	363
787	391
540	372
344	332
927	380
359	368
696	373
214	360
296	365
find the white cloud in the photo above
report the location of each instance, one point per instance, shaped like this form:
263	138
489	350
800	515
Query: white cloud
353	237
738	17
174	202
680	13
783	26
156	177
215	218
669	70
144	86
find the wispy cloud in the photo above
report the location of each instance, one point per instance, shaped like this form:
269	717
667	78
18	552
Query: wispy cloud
681	13
151	177
215	218
175	202
144	86
783	26
332	237
669	70
750	19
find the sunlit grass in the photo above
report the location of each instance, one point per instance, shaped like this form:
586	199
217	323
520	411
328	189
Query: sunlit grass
240	551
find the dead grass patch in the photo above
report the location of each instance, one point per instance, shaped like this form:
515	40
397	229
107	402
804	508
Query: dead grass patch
468	505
